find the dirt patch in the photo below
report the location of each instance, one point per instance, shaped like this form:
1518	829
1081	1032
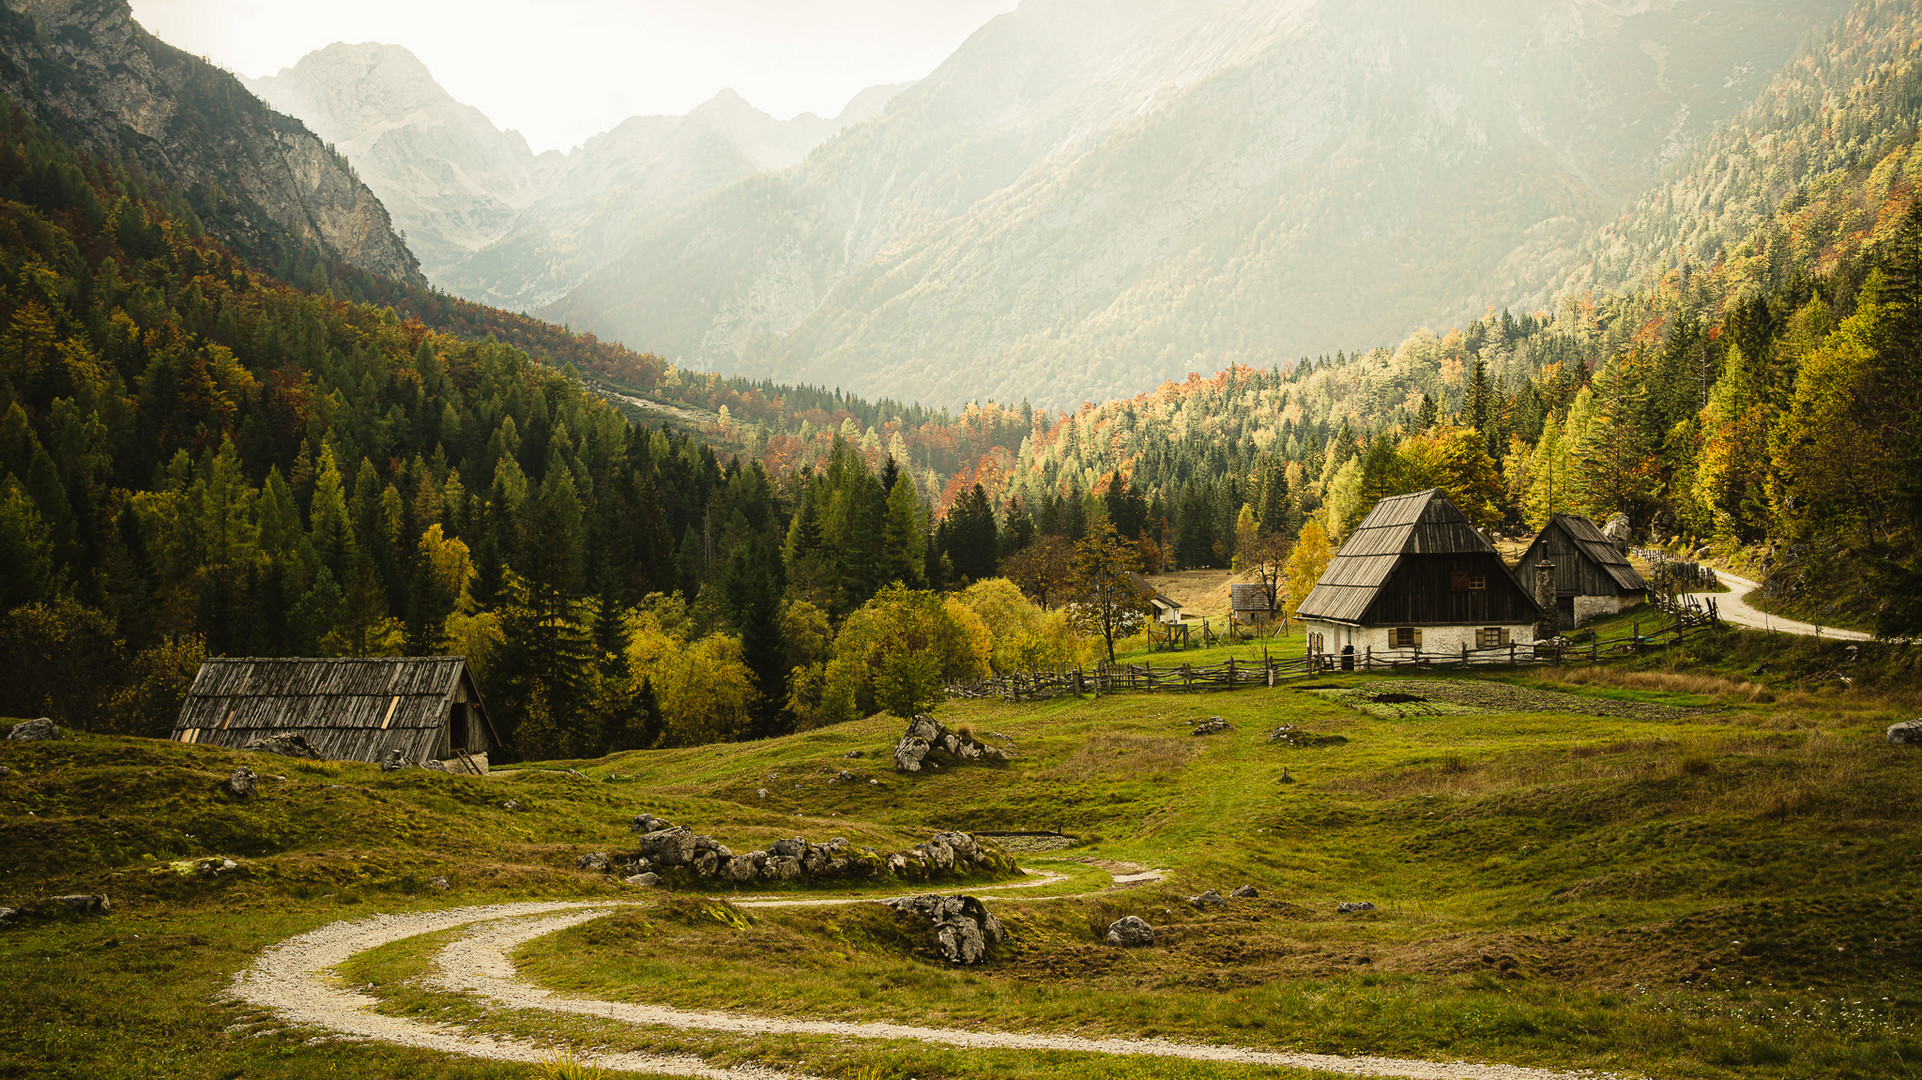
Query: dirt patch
1393	698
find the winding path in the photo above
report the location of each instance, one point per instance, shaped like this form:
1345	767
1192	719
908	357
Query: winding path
1734	609
295	981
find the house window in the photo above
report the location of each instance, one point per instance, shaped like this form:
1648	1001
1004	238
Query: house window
1404	637
1491	637
1465	581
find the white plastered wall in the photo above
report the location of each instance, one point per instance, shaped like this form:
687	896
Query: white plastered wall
1434	639
1590	608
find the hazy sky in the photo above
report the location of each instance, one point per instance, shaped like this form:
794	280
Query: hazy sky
561	70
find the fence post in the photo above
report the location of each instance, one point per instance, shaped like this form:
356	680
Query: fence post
1464	655
1368	659
1187	676
1231	673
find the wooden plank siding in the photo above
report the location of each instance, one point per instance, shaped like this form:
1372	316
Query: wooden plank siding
1585	565
1421	592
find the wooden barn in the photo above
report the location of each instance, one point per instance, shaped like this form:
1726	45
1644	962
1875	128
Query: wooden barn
1416	575
1167	611
1251	603
425	707
1592	577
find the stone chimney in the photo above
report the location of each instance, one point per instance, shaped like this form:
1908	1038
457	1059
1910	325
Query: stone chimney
1545	596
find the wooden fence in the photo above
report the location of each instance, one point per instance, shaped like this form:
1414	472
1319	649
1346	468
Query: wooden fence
1687	618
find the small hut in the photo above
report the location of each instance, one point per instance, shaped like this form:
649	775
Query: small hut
1251	603
1167	610
424	707
1416	576
1592	576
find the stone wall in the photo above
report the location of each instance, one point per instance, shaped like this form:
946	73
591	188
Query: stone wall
678	855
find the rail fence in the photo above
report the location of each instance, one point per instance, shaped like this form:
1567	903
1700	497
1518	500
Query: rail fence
1686	617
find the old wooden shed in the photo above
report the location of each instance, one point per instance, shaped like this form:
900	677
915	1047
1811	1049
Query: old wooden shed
1416	575
1251	603
1592	576
425	707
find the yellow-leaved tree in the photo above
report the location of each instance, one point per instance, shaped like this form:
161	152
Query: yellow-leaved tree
1306	564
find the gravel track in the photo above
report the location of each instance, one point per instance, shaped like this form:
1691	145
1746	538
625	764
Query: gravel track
294	979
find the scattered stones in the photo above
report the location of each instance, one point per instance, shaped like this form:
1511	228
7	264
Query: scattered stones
511	804
1906	733
1349	908
844	775
647	881
1209	899
439	883
594	862
392	761
677	851
215	867
286	744
647	823
1246	892
1290	735
241	784
1214	725
33	730
1130	930
926	735
852	754
963	929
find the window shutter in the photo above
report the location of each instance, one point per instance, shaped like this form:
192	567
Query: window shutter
1504	635
1417	641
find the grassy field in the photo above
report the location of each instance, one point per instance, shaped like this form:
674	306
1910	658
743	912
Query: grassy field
1701	864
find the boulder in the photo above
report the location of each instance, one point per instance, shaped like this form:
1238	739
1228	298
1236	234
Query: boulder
1131	930
33	730
1618	533
1246	892
706	864
1209	899
669	847
760	793
594	862
790	848
1906	733
909	753
84	904
392	761
511	804
1214	725
962	929
241	784
1348	908
286	744
7	913
647	823
745	868
925	734
782	868
644	880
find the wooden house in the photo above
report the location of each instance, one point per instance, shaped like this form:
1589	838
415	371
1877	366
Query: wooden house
1416	575
1251	603
1167	611
1592	576
426	708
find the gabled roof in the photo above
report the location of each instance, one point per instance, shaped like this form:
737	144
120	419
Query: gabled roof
1250	596
1424	523
1155	596
348	709
1591	543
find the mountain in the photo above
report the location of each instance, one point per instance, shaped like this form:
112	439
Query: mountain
1092	195
259	179
490	219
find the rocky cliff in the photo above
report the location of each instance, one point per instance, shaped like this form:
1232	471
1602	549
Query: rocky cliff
1091	196
261	180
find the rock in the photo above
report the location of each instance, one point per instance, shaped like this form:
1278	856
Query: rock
1211	726
1246	892
594	862
1131	930
1209	899
286	744
647	823
706	864
1906	733
844	775
241	784
511	804
439	883
4	771
216	867
745	868
33	730
790	848
852	754
1347	908
925	735
431	765
7	913
392	761
963	931
909	753
760	793
669	847
644	880
1618	533
84	904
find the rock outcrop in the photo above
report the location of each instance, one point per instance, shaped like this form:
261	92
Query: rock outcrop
926	735
961	928
675	851
242	784
262	181
1906	733
33	730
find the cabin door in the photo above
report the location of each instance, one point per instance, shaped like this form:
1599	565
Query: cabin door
1348	658
1565	612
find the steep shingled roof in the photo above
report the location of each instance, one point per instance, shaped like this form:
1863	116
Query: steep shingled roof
1591	543
1424	523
